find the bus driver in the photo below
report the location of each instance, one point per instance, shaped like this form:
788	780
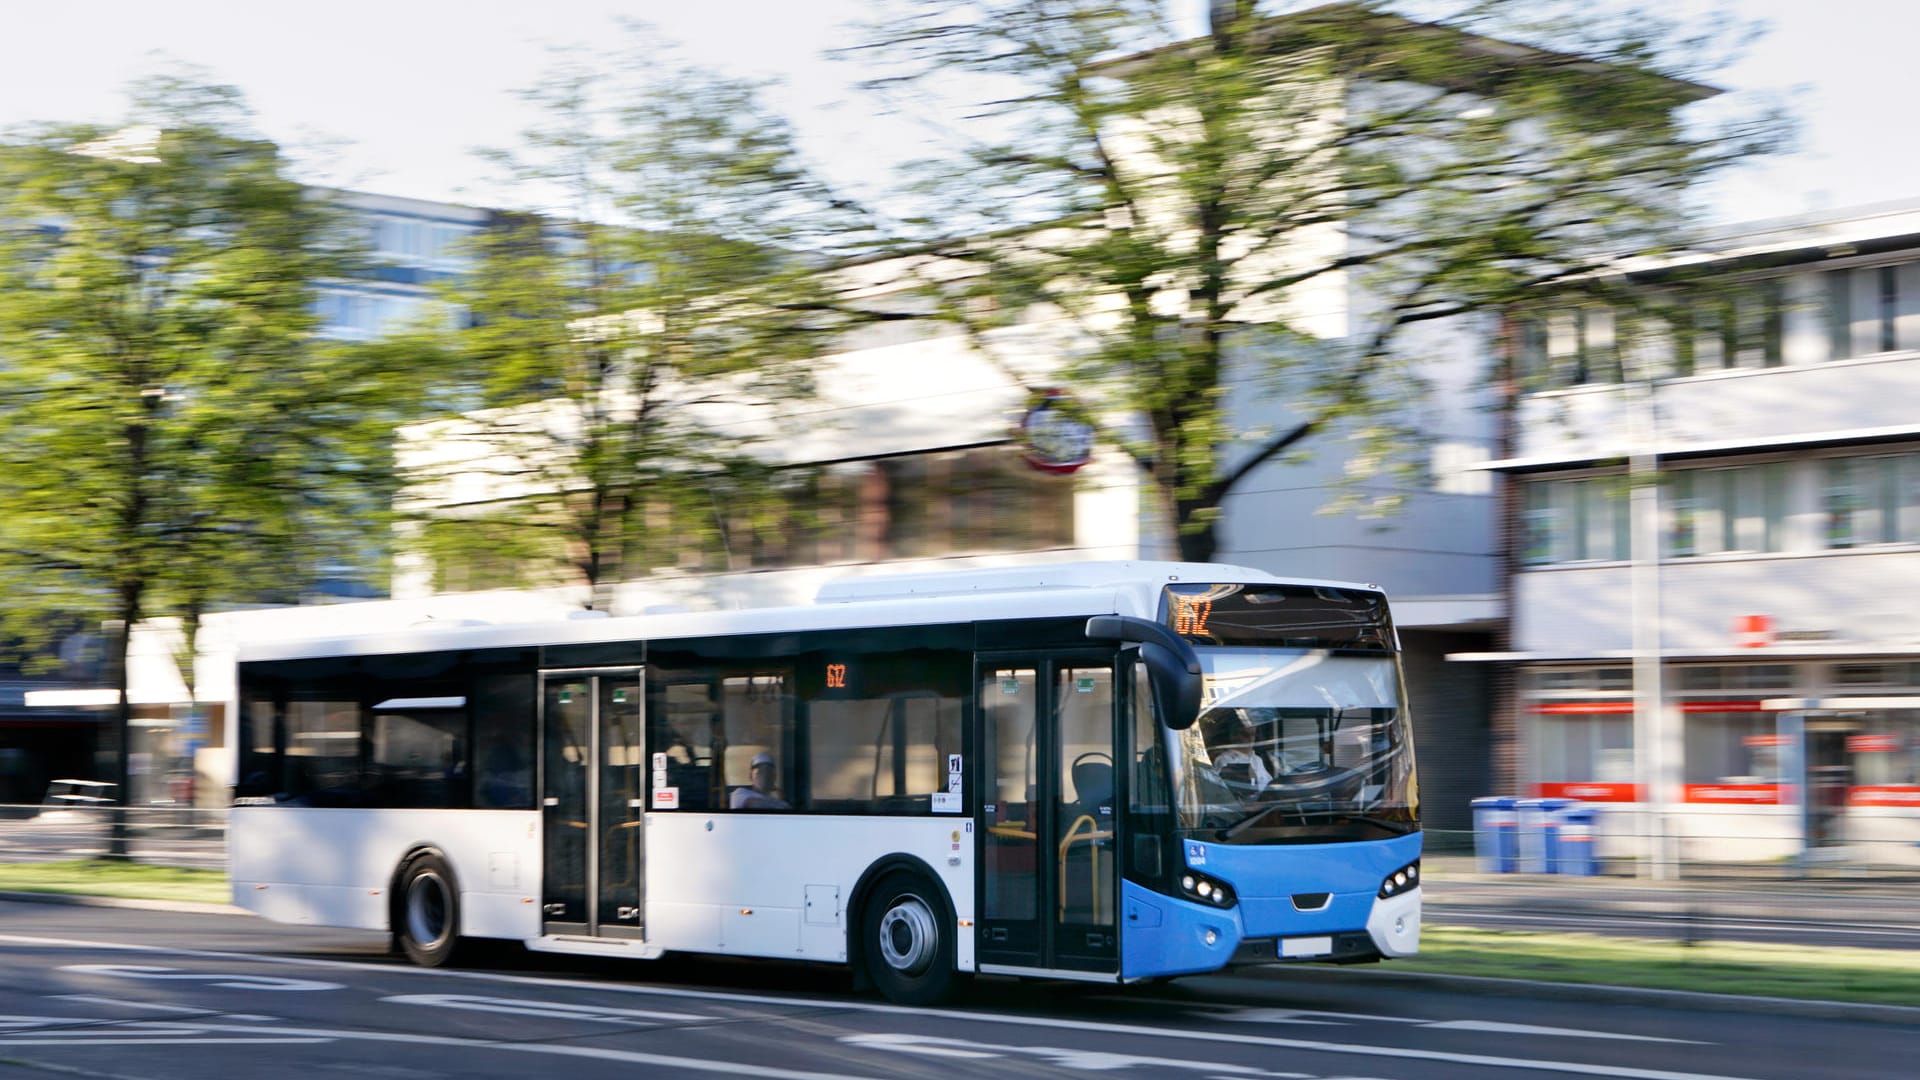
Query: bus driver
760	796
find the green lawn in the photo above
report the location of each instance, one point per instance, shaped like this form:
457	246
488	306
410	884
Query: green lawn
106	877
1873	976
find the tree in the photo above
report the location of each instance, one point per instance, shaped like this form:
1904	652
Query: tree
176	434
1202	210
635	329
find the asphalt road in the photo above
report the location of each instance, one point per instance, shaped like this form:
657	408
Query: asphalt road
112	993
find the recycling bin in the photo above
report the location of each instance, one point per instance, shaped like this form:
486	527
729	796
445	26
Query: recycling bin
1576	841
1496	835
1538	821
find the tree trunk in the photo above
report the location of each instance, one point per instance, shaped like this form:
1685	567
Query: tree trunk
118	843
1199	546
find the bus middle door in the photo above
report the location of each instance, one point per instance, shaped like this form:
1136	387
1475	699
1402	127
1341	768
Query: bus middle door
592	779
1048	813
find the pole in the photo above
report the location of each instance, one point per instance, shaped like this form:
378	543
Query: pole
1649	721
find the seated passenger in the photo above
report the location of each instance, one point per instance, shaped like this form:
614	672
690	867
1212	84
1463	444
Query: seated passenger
760	796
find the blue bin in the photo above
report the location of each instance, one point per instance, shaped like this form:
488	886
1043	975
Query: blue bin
1576	841
1539	823
1496	835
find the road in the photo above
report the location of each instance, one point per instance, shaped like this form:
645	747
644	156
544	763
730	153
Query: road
110	993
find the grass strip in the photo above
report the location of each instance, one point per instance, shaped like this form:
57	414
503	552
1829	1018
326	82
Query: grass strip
1867	976
116	878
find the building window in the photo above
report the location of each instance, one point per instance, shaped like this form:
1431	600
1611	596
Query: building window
1711	677
1743	328
1572	346
1732	748
1839	314
1579	520
1726	510
1871	310
1584	747
1885	752
1889	307
1871	500
1881	676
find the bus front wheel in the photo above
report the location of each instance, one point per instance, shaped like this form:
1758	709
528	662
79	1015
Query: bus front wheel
427	917
906	940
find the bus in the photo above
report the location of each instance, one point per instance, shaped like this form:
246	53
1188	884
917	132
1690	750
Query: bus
1105	771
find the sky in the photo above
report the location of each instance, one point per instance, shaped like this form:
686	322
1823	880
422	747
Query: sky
394	96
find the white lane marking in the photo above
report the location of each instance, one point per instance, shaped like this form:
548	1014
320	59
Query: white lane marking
134	1041
550	1010
154	1006
155	1032
1306	1016
225	981
1502	1028
1058	1056
1576	1068
148	1006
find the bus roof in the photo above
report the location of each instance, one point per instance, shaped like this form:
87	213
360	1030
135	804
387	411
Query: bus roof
852	602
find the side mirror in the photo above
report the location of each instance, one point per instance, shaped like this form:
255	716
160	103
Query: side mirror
1172	666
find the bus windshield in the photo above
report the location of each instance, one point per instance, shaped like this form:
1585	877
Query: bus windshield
1296	746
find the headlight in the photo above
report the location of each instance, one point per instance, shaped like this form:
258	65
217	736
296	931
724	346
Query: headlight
1407	877
1200	887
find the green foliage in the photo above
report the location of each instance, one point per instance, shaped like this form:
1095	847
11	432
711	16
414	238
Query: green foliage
176	435
1252	222
641	327
117	878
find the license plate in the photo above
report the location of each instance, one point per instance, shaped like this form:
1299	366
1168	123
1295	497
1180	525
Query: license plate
1306	946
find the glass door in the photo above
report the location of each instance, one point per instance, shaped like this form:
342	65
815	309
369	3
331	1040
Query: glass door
1048	813
592	787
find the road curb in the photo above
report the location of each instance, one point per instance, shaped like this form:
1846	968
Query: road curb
81	900
1600	992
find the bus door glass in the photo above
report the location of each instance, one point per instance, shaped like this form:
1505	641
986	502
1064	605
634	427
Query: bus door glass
592	784
1048	812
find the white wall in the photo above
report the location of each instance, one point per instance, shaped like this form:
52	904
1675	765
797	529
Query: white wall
1864	598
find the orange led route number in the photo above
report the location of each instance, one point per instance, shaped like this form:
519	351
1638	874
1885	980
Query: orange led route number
1190	616
836	676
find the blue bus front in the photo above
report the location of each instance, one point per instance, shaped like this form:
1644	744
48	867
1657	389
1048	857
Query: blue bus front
1283	824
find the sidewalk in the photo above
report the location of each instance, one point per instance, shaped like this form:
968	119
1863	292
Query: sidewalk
1878	897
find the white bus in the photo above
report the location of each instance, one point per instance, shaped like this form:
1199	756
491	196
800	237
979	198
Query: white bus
915	775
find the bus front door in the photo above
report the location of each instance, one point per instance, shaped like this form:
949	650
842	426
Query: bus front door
592	787
1048	814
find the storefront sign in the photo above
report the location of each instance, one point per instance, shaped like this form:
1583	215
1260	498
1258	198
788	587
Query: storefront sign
1736	794
1873	744
1588	792
1885	795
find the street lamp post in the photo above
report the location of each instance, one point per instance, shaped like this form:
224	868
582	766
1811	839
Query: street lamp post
1649	705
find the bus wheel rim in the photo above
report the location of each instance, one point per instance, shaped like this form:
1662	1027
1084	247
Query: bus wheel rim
908	936
427	909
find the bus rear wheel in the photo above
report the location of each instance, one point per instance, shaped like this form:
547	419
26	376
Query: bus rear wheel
427	917
906	940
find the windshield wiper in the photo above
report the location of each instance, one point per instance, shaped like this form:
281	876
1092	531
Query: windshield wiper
1325	815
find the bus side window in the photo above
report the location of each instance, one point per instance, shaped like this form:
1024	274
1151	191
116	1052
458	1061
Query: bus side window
503	741
683	721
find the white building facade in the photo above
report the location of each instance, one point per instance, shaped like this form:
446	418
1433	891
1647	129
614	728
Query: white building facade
1741	680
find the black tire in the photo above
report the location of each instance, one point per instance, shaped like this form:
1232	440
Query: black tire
426	912
906	939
